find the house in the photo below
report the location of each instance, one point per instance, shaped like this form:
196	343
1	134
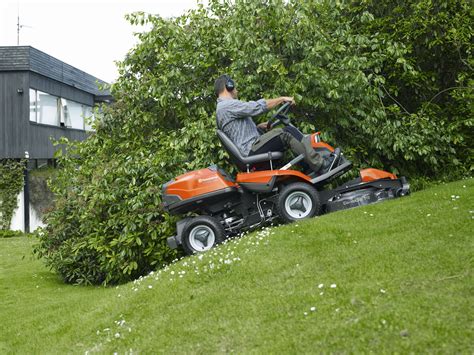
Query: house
41	98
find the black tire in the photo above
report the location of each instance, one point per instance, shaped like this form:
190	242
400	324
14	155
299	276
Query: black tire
304	196
202	233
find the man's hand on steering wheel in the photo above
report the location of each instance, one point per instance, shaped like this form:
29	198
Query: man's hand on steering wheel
289	99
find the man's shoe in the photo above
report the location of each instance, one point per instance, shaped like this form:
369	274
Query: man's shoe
311	157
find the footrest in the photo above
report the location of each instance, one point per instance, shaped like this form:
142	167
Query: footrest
332	174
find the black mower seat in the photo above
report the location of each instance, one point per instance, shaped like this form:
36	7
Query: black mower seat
242	162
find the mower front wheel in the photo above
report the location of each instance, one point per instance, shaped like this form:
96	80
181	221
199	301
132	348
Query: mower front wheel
202	233
298	201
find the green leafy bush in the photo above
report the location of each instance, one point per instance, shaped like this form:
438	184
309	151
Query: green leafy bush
11	183
427	128
108	226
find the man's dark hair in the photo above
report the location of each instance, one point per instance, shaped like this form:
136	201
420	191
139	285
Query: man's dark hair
219	84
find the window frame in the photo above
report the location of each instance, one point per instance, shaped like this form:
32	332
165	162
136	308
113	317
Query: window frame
35	104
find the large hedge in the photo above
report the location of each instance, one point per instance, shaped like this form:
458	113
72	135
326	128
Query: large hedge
429	109
354	71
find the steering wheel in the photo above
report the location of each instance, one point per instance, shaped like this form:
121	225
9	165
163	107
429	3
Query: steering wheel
280	116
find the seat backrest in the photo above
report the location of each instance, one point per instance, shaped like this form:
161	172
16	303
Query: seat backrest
232	149
255	161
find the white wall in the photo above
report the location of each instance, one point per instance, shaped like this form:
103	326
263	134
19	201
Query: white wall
18	219
35	219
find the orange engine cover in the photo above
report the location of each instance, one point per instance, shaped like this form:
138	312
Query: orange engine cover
367	175
198	182
264	177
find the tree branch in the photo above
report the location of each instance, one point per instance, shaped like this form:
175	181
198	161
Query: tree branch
399	104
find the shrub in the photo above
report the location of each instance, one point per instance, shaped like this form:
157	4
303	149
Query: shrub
10	234
107	225
427	128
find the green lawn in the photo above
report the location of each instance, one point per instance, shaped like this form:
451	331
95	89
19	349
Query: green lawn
401	273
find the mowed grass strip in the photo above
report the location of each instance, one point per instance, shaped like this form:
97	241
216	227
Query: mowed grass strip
391	277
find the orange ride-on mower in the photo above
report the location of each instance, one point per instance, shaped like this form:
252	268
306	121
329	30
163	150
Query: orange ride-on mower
266	190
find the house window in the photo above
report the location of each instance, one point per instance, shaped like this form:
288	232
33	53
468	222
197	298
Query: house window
32	105
47	109
74	118
76	115
52	110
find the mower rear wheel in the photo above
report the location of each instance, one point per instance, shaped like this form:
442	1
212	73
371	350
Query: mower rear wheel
298	201
202	233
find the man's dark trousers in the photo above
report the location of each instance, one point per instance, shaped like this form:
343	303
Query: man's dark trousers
279	139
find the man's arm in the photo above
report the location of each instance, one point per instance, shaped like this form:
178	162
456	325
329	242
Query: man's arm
271	103
243	109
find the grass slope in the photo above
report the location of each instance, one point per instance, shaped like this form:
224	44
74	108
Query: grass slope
401	273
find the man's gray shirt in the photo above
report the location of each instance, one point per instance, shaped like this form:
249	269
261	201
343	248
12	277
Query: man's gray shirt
234	118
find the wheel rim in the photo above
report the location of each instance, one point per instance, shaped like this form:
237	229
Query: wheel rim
298	205
202	238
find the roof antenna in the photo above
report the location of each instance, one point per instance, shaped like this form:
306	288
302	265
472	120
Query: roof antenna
18	26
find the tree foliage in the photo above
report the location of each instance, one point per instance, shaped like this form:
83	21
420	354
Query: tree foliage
362	73
431	106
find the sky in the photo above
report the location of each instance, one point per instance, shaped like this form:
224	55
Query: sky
89	35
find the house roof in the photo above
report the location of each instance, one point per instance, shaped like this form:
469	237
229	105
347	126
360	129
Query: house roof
27	58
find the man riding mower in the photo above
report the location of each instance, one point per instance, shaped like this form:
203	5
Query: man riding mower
234	119
217	206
